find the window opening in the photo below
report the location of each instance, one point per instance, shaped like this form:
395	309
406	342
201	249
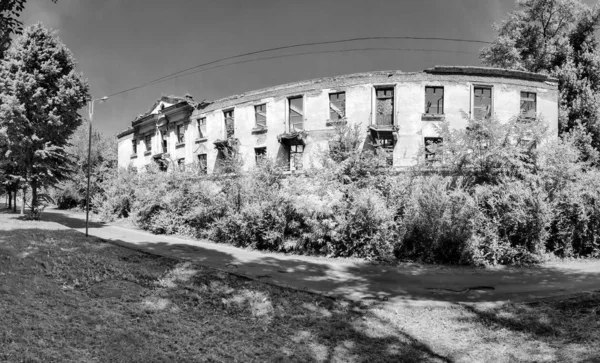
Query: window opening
229	123
202	127
260	114
296	113
385	106
482	102
434	100
337	106
295	157
528	104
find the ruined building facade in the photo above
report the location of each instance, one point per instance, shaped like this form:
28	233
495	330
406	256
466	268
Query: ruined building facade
293	123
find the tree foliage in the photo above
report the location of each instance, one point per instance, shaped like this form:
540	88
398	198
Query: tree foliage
103	160
40	96
10	10
555	37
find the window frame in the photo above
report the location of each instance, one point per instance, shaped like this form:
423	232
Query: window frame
229	133
294	155
201	122
437	107
339	117
148	142
376	106
301	115
528	93
260	156
202	164
490	113
257	113
180	132
430	156
164	141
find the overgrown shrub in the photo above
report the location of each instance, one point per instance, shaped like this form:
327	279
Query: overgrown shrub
505	194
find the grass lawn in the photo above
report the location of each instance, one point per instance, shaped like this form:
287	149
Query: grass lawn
65	298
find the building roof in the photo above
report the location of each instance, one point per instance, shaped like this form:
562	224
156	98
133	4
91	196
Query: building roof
437	73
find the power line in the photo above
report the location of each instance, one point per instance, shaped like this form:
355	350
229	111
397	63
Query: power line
295	46
305	53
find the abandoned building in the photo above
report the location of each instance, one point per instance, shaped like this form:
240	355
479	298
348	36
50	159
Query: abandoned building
293	123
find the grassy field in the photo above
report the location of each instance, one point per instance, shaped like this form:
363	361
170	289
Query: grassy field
65	298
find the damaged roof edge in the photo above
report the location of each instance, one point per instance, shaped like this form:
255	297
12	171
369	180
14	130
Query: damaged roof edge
491	72
300	86
125	132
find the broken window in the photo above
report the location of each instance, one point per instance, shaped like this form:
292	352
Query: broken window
260	115
180	134
385	106
202	164
337	106
482	102
260	154
164	140
163	165
202	128
431	148
134	146
148	142
528	104
229	123
296	113
296	152
434	100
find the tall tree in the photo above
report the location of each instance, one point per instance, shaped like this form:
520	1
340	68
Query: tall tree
40	95
10	10
103	159
555	37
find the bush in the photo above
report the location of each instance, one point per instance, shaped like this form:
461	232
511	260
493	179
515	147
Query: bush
67	196
440	221
576	220
497	201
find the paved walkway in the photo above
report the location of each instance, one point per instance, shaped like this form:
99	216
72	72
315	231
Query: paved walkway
357	280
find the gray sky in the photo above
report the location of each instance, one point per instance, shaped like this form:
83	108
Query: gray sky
122	43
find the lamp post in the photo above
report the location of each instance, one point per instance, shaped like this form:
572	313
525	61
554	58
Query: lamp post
89	166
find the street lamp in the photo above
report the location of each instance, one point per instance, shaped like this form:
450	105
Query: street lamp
89	166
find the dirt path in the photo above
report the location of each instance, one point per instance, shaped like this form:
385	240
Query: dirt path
357	280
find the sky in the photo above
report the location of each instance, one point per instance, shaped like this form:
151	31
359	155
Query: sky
120	44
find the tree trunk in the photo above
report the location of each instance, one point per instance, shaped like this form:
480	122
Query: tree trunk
15	200
23	201
33	196
9	200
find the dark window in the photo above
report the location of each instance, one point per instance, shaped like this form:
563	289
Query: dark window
134	146
337	106
260	114
482	102
431	145
202	164
296	152
163	135
148	142
202	127
181	163
296	114
180	134
528	104
229	123
434	100
163	165
386	143
385	106
260	153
